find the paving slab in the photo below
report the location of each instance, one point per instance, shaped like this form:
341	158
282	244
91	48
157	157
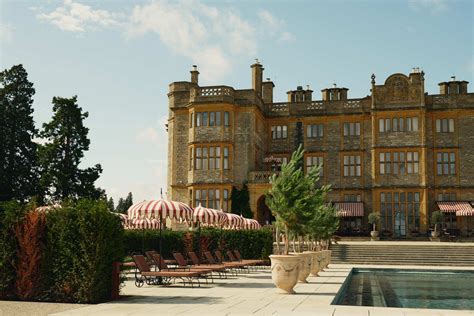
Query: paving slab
249	293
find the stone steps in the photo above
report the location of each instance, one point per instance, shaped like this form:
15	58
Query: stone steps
403	254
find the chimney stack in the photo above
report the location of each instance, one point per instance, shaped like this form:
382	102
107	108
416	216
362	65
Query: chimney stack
267	91
194	75
257	74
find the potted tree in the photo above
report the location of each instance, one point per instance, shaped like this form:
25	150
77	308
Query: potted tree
436	219
289	199
374	219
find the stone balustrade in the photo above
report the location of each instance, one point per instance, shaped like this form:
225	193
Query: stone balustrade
212	93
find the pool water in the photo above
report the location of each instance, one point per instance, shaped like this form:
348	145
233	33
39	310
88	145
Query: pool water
437	289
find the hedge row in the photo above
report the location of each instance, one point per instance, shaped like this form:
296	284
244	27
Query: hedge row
63	255
255	244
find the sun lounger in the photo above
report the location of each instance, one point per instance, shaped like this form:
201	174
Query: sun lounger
143	274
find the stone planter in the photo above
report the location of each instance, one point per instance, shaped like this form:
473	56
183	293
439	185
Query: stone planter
328	259
374	235
285	270
435	237
314	263
320	260
305	266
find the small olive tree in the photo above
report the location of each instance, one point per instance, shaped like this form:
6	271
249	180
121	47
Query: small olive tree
374	219
436	219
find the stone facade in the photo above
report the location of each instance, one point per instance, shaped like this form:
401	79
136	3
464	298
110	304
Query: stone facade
384	150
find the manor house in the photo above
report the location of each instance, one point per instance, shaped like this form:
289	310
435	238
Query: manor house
400	151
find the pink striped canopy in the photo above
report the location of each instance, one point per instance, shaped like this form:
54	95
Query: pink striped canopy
349	209
123	218
233	221
251	223
160	209
208	216
47	208
455	207
143	223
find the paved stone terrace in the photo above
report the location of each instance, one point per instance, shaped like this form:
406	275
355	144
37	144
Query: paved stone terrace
251	293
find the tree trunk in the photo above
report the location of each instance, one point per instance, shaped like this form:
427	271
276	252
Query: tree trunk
287	241
277	238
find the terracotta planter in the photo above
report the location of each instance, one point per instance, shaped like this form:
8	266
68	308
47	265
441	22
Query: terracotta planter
305	266
285	270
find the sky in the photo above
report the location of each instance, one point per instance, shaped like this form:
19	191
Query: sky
118	57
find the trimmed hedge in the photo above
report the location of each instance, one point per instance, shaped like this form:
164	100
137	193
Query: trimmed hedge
81	242
255	244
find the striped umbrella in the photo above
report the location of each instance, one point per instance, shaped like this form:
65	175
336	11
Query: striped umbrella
208	216
160	209
143	223
233	221
123	218
251	224
47	208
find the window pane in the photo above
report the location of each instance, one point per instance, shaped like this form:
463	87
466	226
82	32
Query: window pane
321	130
346	129
198	119
415	124
308	131
212	118
451	125
395	125
438	126
284	134
381	126
218	118
226	118
401	128
387	125
357	129
204	159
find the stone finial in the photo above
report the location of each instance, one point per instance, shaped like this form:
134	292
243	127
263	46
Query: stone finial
373	78
422	74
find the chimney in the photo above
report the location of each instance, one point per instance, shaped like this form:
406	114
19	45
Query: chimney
443	88
194	75
257	74
308	94
326	94
267	91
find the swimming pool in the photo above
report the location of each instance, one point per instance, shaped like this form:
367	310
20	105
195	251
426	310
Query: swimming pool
436	289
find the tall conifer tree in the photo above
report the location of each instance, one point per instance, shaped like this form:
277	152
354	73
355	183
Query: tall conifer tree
67	141
18	160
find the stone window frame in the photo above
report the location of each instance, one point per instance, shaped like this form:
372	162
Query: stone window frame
352	163
319	156
401	161
219	195
449	166
209	119
391	200
405	124
315	130
445	125
278	132
208	152
352	129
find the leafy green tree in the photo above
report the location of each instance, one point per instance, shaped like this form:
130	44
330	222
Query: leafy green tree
60	157
241	202
110	204
18	152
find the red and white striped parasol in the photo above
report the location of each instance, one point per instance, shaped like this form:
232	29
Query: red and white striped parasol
251	223
208	216
160	209
47	208
143	223
233	221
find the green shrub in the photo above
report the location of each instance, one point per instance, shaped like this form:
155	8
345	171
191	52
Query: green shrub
82	242
11	213
251	243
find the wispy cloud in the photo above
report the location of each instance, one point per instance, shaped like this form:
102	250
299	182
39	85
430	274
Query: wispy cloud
76	17
6	33
274	26
432	6
209	36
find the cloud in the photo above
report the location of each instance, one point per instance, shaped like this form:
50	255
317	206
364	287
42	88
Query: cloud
433	6
274	26
209	36
76	17
148	135
6	33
